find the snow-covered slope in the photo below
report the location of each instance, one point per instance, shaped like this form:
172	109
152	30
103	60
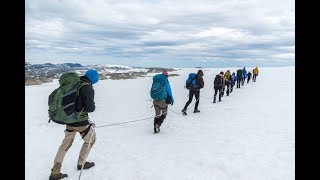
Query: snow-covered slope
249	135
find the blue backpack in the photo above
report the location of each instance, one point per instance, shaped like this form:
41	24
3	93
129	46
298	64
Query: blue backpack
192	79
158	88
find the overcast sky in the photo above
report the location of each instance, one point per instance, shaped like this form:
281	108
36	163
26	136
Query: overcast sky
176	33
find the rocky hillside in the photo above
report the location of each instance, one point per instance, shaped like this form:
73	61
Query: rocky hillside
36	74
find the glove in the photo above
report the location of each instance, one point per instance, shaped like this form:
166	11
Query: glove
92	124
171	103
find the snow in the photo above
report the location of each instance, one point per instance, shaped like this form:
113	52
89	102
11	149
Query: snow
249	135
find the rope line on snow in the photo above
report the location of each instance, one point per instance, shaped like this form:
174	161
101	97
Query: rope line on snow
127	122
143	119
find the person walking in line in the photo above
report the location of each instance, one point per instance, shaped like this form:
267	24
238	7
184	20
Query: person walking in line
194	87
218	84
244	75
249	77
239	77
83	104
233	79
255	74
227	83
161	94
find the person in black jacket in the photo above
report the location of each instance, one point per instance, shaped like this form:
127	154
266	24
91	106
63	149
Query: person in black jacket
239	77
84	105
218	84
195	90
249	77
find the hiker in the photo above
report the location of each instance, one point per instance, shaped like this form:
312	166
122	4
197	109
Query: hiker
218	84
255	74
239	77
162	96
84	104
249	76
244	75
196	84
227	82
233	79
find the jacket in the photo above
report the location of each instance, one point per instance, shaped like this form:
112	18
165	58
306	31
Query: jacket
85	101
169	91
244	73
223	81
239	74
233	79
249	75
256	71
200	84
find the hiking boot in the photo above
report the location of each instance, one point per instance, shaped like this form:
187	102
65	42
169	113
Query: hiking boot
156	129
196	111
184	112
86	165
57	176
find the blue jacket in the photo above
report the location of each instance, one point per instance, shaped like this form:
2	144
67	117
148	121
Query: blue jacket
244	72
233	78
169	91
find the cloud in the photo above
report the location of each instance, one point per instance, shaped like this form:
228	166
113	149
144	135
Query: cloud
160	30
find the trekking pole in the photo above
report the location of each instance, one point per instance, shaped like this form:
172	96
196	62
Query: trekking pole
87	152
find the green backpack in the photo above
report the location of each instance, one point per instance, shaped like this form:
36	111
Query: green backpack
62	108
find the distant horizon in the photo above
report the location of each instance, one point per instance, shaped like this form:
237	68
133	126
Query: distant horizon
144	66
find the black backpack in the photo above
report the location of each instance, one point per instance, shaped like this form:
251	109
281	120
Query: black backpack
218	80
239	73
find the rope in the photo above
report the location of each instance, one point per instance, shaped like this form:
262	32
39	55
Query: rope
143	119
127	122
174	111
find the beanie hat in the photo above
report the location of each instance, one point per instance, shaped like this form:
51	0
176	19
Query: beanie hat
221	72
92	75
165	72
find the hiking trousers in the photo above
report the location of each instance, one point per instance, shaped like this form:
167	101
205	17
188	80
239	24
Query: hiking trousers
216	89
238	83
161	109
231	88
243	80
254	77
228	88
70	132
197	96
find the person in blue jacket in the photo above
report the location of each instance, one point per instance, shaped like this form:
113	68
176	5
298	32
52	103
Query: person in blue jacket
244	75
162	96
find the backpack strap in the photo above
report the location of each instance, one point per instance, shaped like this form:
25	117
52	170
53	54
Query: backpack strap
81	84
